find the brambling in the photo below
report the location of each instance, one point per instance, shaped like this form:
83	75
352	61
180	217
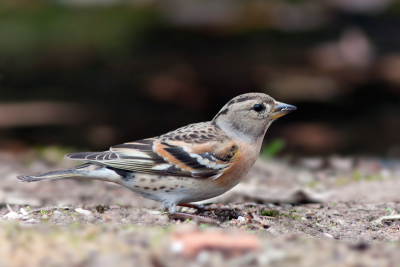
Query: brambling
193	163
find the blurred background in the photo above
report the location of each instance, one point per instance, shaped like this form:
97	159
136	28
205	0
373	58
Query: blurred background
88	74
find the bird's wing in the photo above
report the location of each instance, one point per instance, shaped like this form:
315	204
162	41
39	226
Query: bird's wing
165	155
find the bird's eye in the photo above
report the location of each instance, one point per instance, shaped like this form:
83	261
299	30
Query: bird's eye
258	107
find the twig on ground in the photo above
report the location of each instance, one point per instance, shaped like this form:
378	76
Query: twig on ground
385	218
264	221
9	208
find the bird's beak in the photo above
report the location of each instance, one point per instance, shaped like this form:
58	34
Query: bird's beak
282	109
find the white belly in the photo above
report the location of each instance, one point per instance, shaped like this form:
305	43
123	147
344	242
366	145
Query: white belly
173	189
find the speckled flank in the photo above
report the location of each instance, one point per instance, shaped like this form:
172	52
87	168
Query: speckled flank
172	189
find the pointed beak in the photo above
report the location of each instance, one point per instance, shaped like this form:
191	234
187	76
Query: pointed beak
282	109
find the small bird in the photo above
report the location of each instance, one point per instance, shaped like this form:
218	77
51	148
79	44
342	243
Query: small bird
193	163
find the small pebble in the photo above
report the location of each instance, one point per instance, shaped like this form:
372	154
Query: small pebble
203	257
154	212
328	235
177	247
241	219
32	221
83	212
11	216
24	212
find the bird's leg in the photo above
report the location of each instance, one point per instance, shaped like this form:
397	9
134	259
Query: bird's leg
201	208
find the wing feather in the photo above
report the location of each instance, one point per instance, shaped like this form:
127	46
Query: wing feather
167	155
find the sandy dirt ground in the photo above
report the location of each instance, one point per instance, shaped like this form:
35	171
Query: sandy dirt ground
288	212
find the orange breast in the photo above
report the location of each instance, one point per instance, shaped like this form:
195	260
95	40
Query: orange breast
243	161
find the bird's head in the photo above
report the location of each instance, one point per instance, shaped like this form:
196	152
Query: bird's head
248	116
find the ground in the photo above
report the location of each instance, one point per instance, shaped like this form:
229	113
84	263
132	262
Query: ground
287	212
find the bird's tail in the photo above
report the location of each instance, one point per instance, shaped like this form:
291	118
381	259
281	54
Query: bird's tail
79	171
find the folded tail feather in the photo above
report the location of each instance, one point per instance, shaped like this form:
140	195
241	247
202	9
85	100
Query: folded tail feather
52	175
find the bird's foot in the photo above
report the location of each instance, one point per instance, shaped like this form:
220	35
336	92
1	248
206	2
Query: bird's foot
193	217
202	208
